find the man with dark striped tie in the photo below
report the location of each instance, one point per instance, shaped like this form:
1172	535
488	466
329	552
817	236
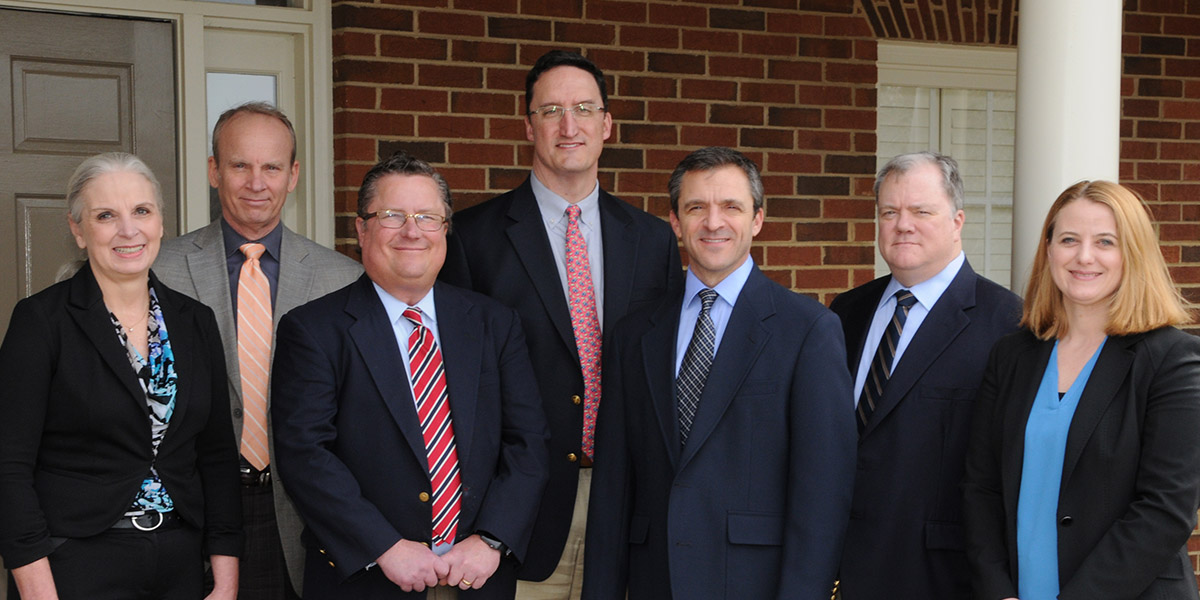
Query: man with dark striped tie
917	341
407	421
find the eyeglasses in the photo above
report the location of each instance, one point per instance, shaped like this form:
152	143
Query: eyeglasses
554	112
395	219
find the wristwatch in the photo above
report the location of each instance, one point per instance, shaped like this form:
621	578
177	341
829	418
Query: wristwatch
494	543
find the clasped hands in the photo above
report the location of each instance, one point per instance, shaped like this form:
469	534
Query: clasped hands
414	567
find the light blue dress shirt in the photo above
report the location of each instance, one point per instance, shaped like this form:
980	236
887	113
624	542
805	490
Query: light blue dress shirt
727	294
927	292
402	328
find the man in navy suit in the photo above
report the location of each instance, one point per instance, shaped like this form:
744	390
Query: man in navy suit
516	249
407	424
726	440
905	538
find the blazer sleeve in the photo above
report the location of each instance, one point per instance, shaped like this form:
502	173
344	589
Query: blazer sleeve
822	457
1138	547
511	505
216	451
304	411
983	501
27	370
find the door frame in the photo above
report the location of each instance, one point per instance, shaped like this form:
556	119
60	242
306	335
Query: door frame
311	206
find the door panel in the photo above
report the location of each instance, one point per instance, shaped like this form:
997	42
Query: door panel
72	86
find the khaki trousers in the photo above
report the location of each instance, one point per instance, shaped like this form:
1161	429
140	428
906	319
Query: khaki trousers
566	582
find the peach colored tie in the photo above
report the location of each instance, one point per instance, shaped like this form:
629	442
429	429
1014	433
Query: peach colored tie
254	354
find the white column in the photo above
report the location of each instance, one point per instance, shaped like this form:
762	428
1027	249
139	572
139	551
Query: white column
1068	110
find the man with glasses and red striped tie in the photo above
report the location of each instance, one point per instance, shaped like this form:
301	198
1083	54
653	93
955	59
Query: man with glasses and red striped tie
918	340
408	427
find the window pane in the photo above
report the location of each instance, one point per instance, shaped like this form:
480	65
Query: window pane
295	3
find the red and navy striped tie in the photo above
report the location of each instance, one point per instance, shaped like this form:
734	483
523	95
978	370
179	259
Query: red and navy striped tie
433	410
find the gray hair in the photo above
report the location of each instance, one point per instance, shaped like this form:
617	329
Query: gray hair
951	180
712	157
401	163
103	164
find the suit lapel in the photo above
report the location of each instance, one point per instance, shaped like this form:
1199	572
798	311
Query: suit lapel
293	289
1031	367
462	350
658	354
620	257
858	321
375	339
210	277
939	329
528	237
1110	371
743	341
87	308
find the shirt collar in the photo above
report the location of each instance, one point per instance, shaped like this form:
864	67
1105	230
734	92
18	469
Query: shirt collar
928	291
234	240
728	289
554	207
395	308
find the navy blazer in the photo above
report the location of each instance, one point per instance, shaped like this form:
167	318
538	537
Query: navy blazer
350	448
74	435
905	538
755	505
500	249
1131	473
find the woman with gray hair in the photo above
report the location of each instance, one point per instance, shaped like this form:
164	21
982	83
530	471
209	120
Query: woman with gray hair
118	469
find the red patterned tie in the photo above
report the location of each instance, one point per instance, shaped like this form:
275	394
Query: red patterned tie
254	353
585	324
433	410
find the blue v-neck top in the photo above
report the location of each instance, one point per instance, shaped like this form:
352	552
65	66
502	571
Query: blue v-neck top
1041	475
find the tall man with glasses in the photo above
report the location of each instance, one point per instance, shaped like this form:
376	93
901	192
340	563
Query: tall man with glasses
407	424
725	454
572	260
253	168
918	342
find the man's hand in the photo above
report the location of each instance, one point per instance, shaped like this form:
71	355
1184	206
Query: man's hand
471	563
412	566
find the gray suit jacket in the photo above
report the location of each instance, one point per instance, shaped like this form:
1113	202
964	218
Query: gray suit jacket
194	264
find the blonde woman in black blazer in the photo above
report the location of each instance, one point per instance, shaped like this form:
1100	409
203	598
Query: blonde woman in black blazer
116	481
1127	464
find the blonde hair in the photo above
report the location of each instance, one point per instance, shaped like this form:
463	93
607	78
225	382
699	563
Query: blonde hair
1145	299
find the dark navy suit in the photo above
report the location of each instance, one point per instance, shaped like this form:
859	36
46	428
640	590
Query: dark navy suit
905	538
755	505
350	448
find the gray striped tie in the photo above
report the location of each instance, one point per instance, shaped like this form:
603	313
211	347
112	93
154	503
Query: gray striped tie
696	362
881	365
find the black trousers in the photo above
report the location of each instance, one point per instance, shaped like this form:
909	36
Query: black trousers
263	573
127	564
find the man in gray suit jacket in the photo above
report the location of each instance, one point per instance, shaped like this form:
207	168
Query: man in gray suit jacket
253	168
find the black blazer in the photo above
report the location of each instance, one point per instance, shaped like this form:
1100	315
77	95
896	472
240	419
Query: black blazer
1131	474
500	249
74	436
905	538
755	505
349	446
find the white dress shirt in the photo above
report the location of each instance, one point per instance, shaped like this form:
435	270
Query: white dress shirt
554	217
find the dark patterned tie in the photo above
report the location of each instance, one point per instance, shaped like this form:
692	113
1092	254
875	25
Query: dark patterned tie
433	410
881	365
696	361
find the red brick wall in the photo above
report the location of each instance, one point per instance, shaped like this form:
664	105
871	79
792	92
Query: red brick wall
793	88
